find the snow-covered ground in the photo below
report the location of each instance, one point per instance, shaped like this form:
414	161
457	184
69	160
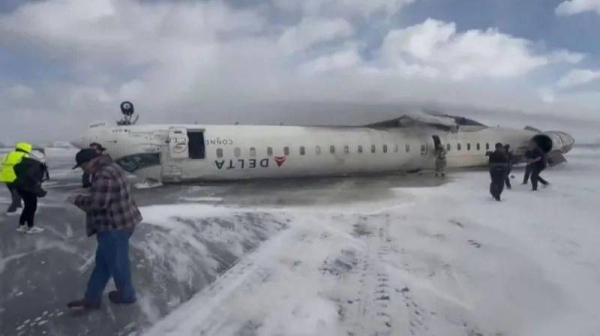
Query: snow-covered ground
444	260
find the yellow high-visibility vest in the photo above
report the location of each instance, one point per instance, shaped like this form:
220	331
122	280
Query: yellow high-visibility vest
7	175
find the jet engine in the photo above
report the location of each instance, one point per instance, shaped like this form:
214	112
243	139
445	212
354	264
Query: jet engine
554	144
554	141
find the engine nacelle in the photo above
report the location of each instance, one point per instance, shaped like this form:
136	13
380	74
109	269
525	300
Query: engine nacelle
554	141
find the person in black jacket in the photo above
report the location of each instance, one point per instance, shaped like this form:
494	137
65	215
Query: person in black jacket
30	175
537	159
498	165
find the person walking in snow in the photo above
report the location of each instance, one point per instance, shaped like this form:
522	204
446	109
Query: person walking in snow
440	160
498	164
8	176
111	215
537	160
30	173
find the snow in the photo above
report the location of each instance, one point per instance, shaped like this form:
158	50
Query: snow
445	260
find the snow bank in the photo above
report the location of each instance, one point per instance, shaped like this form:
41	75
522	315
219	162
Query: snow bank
429	261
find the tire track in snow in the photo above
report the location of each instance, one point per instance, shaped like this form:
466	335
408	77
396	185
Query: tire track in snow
380	307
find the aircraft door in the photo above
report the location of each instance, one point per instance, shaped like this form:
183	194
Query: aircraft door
178	143
436	141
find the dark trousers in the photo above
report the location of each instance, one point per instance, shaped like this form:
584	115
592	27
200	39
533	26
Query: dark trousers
535	177
16	198
507	179
498	176
28	214
528	169
112	260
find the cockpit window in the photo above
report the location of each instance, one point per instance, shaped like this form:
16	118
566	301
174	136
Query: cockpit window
131	163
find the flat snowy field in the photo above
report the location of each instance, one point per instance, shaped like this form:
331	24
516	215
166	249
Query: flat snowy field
444	260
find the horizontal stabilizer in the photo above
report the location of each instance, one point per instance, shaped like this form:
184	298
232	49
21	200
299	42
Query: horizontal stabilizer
555	158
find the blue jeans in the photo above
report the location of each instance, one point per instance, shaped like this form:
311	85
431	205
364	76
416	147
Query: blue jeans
112	259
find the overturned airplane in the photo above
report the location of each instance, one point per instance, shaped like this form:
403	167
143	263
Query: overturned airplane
187	153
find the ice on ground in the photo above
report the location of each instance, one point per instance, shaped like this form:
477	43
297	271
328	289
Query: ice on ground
447	260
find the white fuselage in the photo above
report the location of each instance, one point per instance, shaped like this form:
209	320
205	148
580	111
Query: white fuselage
182	153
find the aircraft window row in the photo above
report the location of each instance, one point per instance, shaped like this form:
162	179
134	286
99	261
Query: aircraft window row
459	146
237	152
332	149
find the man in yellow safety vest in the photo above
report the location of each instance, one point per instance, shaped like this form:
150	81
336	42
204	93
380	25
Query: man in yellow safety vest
8	176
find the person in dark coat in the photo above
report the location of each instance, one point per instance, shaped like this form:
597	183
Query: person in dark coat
440	160
509	157
31	172
111	215
537	160
498	165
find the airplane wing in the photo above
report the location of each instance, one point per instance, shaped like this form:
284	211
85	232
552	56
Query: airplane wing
428	119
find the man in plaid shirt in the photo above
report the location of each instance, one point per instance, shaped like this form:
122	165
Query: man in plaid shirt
112	215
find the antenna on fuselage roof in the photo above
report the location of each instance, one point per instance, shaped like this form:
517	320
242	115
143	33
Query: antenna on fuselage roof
127	110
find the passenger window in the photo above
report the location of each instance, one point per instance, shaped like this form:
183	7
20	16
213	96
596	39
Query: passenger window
385	148
237	152
407	148
252	152
332	149
360	149
270	151
219	152
423	148
373	148
286	151
478	146
318	150
468	146
487	146
458	147
346	149
448	147
302	151
396	149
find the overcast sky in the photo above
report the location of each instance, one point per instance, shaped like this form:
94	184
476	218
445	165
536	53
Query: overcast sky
67	63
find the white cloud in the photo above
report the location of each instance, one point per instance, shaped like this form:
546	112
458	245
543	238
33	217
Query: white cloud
21	91
345	59
566	57
313	30
435	49
352	8
578	77
571	7
209	61
547	95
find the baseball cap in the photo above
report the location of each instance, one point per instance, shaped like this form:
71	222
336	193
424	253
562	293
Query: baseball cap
85	155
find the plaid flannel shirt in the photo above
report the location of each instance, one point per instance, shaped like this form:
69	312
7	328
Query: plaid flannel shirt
109	205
